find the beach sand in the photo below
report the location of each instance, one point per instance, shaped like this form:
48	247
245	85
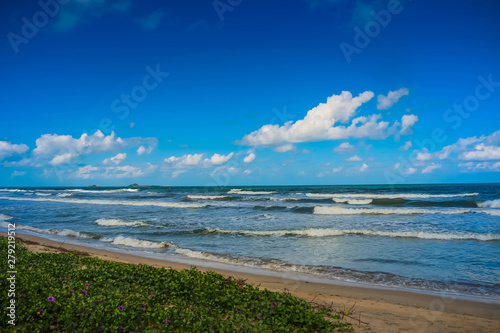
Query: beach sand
370	309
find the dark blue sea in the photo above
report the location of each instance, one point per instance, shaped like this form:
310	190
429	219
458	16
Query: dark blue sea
426	237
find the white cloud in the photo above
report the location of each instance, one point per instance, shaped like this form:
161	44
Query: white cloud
354	158
431	168
385	102
335	170
250	157
285	148
407	122
185	160
18	173
232	170
363	168
177	173
218	159
344	148
65	158
59	149
115	160
410	171
406	146
144	151
480	167
112	172
397	165
247	171
306	151
483	148
7	149
323	123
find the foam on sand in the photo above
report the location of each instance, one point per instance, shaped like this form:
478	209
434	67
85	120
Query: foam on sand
113	202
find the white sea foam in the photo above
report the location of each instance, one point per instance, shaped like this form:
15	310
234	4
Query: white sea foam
63	232
208	197
5	217
334	232
389	196
133	242
113	202
120	222
11	190
43	194
239	191
353	201
489	204
328	210
105	191
493	212
65	195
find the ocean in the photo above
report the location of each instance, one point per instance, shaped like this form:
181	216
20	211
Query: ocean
432	238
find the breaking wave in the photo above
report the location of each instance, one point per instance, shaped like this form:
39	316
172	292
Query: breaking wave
105	191
208	197
490	204
240	191
133	242
323	210
113	202
119	222
334	232
388	196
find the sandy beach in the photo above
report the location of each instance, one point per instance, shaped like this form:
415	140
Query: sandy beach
370	309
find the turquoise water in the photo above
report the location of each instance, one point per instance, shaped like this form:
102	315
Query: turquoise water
431	237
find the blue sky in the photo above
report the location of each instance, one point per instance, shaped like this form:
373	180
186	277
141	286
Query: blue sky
112	92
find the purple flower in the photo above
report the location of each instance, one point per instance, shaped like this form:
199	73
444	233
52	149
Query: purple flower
238	310
22	295
84	291
182	317
50	299
101	328
86	284
167	321
143	308
152	295
121	308
40	311
121	328
99	301
72	290
274	303
260	318
156	325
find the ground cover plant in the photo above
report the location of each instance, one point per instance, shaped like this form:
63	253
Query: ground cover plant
69	292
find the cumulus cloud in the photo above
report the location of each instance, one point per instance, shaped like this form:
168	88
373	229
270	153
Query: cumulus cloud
8	149
431	168
397	165
480	167
385	102
410	171
325	122
363	168
285	148
250	157
344	148
112	172
217	159
115	160
483	148
406	146
62	149
144	151
335	170
189	161
247	172
354	158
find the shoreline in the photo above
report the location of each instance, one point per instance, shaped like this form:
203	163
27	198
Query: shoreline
374	309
